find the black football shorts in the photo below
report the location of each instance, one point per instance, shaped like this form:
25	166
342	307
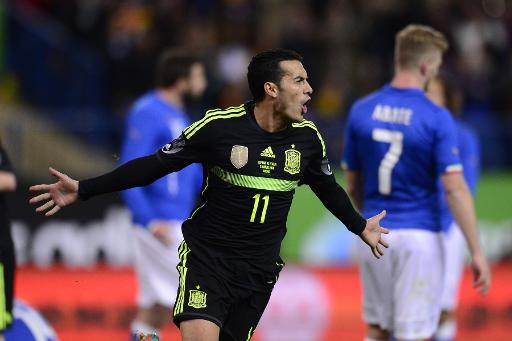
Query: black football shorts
207	294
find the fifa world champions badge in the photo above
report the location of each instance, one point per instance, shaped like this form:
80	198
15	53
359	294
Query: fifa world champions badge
239	156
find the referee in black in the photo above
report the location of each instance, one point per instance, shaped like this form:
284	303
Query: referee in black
253	156
7	257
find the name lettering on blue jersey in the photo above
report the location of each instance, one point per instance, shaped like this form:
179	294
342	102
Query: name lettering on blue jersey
386	113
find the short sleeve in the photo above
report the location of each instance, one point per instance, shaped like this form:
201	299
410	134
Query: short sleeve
351	159
447	154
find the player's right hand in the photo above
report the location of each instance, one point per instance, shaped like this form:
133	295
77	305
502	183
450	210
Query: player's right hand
481	274
62	193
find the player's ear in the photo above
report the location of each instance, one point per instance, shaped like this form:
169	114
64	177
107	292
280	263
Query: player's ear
271	89
423	69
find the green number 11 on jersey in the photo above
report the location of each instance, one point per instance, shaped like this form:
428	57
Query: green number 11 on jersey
256	198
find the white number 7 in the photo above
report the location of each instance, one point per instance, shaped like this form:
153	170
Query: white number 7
391	158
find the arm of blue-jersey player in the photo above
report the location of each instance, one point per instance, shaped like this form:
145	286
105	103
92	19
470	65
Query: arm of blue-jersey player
354	186
458	196
461	205
351	163
142	130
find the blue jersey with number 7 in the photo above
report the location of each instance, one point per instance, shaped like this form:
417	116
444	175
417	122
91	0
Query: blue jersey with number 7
401	143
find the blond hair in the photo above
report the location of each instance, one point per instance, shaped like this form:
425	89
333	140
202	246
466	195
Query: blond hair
414	42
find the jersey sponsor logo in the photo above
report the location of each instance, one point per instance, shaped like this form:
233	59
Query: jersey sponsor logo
197	298
175	146
239	156
268	152
292	161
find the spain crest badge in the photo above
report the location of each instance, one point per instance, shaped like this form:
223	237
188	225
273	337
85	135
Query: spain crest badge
292	161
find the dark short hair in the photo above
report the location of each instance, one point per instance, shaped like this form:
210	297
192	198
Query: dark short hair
264	67
174	64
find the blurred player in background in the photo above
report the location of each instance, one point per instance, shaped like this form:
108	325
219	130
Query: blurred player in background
159	209
7	255
397	145
254	155
444	93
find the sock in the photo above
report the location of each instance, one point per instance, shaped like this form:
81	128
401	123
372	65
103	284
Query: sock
140	328
446	331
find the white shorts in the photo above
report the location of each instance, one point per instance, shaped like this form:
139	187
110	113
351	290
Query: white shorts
455	246
155	267
402	289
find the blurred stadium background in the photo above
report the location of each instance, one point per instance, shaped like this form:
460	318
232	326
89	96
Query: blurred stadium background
69	69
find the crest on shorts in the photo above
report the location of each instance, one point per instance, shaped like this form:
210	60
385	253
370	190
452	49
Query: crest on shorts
197	298
239	156
292	161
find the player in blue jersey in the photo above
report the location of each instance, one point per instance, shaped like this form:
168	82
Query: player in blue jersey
397	145
442	92
159	209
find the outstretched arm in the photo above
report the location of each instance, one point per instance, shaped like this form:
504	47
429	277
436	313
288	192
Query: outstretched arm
138	172
336	200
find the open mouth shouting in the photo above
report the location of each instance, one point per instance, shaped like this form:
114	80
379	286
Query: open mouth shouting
305	106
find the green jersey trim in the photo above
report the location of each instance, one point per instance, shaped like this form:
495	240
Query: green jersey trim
311	125
255	182
212	115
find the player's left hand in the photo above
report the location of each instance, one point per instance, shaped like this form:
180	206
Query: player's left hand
372	234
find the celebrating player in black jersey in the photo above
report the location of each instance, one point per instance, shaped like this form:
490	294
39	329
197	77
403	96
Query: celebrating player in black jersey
253	156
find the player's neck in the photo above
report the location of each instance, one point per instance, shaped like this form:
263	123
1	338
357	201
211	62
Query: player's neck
171	96
405	79
268	119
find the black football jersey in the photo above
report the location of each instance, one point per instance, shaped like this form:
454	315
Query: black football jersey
250	176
